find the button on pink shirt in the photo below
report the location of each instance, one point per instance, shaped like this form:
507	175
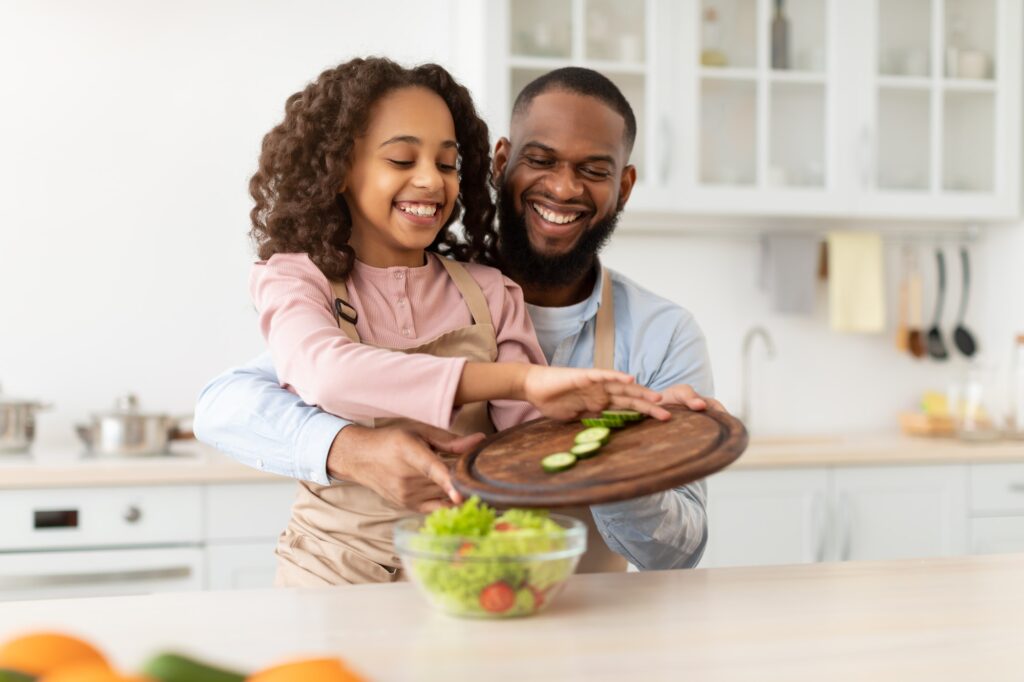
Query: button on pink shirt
399	307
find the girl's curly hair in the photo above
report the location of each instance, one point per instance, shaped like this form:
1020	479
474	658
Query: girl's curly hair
305	159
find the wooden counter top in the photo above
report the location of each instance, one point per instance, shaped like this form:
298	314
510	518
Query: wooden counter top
879	450
943	619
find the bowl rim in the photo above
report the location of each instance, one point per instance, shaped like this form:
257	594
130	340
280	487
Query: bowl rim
575	533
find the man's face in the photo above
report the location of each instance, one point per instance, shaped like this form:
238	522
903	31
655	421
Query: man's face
564	177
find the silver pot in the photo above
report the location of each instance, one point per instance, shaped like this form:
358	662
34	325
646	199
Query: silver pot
127	431
18	424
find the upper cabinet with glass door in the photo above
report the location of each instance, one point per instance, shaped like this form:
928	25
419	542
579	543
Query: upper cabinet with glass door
869	108
761	135
942	126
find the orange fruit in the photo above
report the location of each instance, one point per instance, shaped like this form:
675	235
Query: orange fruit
309	670
39	653
88	672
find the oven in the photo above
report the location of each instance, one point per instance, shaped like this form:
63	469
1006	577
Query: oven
79	542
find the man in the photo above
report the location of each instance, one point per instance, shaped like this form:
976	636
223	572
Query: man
563	177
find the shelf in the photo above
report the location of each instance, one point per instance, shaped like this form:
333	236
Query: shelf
969	85
538	63
812	77
905	82
727	73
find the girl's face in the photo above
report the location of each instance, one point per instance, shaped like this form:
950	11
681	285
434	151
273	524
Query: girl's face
403	180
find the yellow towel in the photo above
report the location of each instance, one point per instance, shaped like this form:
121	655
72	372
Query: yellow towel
856	288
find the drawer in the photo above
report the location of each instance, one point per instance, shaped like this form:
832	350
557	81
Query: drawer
997	535
243	511
997	489
59	518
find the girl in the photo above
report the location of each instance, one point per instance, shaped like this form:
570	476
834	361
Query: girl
364	313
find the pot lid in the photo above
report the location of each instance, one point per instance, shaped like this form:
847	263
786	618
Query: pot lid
127	405
11	400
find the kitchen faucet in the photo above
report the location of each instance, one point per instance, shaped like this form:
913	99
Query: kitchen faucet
748	343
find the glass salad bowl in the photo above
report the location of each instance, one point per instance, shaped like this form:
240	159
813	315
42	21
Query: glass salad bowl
496	566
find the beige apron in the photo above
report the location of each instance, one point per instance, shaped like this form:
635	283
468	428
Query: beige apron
342	533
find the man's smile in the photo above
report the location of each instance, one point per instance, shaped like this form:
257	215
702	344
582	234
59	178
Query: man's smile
553	220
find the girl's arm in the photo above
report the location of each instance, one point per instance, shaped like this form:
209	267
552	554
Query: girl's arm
325	368
357	381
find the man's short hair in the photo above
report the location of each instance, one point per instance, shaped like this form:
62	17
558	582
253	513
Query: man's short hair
583	82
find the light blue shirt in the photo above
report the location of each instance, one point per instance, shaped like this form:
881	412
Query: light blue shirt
248	415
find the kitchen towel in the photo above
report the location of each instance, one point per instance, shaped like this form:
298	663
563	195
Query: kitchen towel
856	288
789	267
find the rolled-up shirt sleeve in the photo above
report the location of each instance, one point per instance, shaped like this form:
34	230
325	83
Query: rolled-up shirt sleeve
325	368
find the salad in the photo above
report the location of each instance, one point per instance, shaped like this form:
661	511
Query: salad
471	560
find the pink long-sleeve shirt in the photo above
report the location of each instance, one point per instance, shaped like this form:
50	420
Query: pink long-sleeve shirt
399	307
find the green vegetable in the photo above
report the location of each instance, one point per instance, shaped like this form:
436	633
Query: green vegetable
469	569
15	676
595	434
560	461
602	423
585	450
170	667
624	415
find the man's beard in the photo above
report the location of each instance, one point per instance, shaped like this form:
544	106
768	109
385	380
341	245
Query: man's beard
523	263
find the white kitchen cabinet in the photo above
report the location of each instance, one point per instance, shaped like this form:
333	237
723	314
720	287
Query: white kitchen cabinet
242	524
758	517
899	512
766	517
240	565
887	109
997	508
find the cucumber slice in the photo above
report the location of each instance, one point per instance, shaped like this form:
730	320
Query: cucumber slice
585	450
172	667
597	421
595	434
624	415
560	461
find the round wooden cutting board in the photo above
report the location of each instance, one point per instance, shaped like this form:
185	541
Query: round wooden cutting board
641	458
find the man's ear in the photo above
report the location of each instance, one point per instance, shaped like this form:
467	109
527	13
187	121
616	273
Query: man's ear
502	150
626	183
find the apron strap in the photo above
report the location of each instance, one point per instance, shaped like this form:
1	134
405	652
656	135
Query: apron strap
344	311
471	292
604	326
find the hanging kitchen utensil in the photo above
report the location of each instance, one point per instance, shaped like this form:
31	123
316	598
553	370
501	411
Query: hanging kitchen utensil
936	346
642	458
126	430
902	324
915	311
962	338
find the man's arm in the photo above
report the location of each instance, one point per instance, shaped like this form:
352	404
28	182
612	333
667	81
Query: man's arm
248	415
666	529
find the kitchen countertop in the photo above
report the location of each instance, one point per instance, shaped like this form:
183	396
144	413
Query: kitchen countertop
876	450
191	463
942	619
196	463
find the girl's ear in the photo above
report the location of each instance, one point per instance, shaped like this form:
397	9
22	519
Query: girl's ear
343	187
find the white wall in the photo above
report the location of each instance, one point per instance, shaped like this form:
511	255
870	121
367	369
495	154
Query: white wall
130	131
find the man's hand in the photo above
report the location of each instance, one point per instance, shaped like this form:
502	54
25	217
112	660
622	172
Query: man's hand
683	394
565	393
399	462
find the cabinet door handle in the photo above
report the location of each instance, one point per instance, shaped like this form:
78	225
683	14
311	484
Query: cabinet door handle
665	166
132	514
867	154
845	527
819	512
1017	487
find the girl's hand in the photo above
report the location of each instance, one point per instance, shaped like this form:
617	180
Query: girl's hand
566	394
683	394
